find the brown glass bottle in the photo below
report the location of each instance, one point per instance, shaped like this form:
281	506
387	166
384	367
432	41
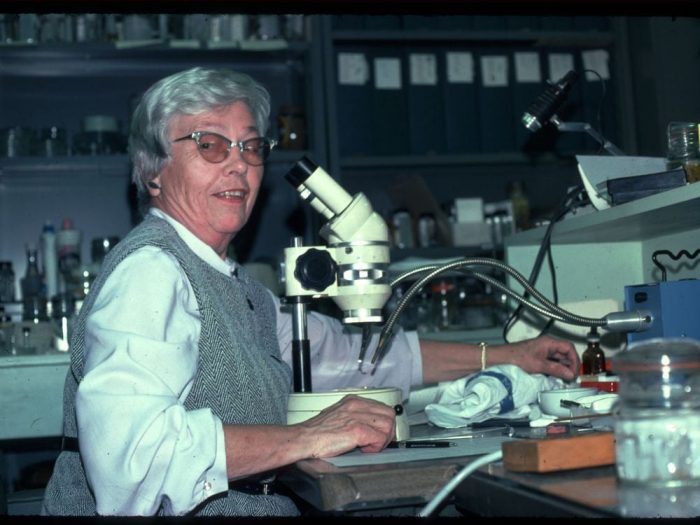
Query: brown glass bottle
593	357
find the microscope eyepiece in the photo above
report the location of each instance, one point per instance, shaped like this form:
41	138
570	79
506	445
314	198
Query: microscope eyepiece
301	171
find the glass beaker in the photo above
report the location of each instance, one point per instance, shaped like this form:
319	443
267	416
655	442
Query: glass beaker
657	420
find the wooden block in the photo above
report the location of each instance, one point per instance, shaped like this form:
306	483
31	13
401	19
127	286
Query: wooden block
559	453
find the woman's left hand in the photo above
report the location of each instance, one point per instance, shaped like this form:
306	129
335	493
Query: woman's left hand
544	355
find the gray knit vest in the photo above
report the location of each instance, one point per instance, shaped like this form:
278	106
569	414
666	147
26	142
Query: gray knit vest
240	374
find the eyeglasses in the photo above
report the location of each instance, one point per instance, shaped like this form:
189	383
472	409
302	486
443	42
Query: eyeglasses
215	148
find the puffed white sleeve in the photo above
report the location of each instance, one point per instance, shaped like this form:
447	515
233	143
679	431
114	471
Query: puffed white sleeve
141	448
335	348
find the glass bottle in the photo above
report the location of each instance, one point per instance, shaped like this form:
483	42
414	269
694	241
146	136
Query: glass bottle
593	357
521	206
34	303
49	259
63	311
31	282
444	304
7	330
7	282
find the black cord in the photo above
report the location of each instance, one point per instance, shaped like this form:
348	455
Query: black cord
599	112
567	204
555	292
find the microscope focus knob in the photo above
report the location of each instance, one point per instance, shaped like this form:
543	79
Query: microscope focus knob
315	269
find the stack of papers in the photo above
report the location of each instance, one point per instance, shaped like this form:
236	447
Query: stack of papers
597	170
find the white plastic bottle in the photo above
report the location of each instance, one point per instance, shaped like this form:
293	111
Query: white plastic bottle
49	259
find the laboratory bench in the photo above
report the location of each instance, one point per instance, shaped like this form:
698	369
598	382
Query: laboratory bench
491	491
321	487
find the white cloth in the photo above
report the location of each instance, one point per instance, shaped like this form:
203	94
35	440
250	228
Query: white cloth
506	391
139	445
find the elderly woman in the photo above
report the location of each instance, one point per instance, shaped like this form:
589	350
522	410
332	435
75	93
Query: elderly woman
176	398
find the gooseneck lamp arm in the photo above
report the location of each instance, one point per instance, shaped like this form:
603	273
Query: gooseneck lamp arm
635	321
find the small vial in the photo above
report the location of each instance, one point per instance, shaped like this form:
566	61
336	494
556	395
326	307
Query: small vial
593	357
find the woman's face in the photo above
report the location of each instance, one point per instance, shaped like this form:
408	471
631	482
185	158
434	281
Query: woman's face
213	201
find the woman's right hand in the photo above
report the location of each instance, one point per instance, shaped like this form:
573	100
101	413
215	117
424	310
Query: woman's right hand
352	422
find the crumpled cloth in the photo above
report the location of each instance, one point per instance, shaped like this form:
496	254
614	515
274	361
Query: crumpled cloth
505	391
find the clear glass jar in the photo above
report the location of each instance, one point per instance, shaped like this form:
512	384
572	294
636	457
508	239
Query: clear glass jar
657	421
684	148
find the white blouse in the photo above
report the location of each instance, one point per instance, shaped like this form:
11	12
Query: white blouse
141	448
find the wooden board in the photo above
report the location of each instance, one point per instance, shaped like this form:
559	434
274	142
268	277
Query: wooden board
559	453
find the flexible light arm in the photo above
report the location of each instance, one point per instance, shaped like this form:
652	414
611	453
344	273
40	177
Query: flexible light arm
635	321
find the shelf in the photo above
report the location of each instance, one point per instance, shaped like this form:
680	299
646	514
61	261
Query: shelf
401	161
533	38
100	165
49	359
491	335
665	213
99	59
439	252
34	169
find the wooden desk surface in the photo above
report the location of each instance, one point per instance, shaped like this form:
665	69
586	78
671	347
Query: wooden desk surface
490	491
331	488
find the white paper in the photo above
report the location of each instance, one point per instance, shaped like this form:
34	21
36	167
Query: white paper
387	73
353	69
460	67
559	65
527	67
462	448
597	60
494	71
423	69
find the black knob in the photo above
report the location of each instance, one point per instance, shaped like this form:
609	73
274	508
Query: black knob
315	269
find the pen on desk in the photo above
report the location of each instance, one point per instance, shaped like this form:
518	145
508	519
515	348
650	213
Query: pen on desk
421	444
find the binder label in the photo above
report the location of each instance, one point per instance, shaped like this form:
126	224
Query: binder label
527	67
559	65
353	69
460	68
387	73
597	60
494	71
423	68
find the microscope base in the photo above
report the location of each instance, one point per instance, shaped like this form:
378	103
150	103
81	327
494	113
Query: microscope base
303	406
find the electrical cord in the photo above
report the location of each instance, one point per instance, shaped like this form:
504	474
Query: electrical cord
567	204
599	112
445	491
